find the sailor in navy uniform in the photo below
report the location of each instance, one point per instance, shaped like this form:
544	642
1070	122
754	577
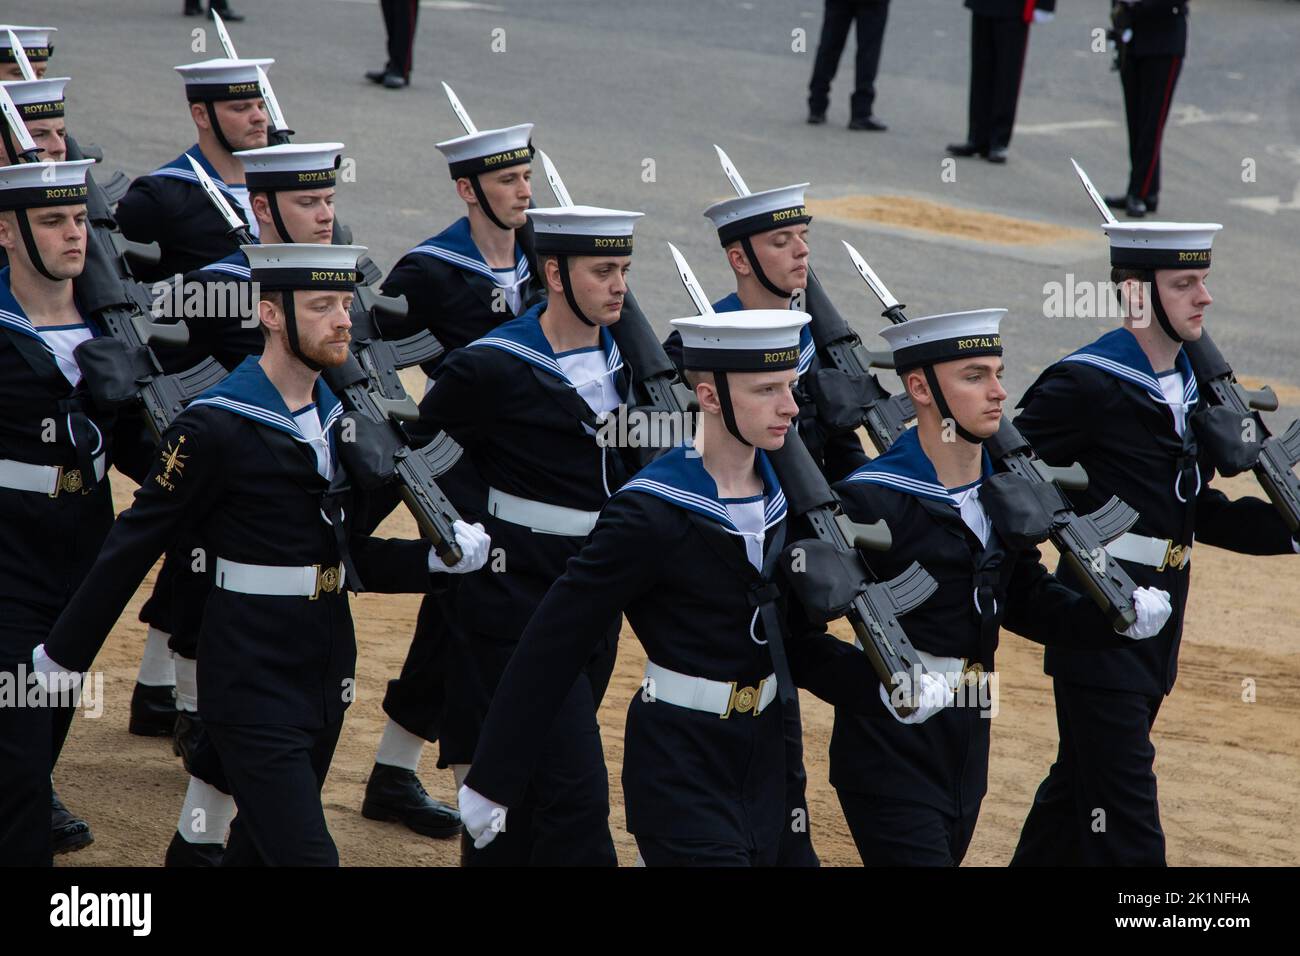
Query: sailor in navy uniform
527	402
1127	407
460	284
250	468
168	206
765	236
41	107
686	550
55	502
292	190
911	794
36	44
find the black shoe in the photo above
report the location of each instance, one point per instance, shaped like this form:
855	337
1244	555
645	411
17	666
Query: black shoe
181	852
1135	208
1116	200
376	76
188	728
226	13
997	154
816	119
193	8
67	832
967	149
395	794
1152	202
153	711
868	123
394	81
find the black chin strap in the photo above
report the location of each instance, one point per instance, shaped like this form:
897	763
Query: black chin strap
484	204
216	127
25	228
272	200
563	263
944	410
291	330
759	274
1158	308
728	412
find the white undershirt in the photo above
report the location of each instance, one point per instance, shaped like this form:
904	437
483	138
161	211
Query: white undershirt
586	369
747	515
63	339
508	282
1171	383
240	192
309	424
972	511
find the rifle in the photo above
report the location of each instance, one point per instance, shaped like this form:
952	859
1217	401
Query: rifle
1233	414
1080	539
847	394
834	581
376	404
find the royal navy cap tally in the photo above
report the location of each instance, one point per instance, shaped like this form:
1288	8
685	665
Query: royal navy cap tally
945	338
38	99
758	212
291	166
304	266
1161	245
35	41
748	340
222	79
583	231
488	150
32	185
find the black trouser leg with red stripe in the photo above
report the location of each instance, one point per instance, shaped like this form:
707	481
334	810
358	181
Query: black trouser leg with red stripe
399	18
1149	83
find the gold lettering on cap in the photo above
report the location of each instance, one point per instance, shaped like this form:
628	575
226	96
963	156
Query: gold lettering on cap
783	214
617	242
785	355
499	158
36	109
234	88
318	176
66	192
980	342
1201	255
323	275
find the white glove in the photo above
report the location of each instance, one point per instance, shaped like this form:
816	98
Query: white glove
1044	16
53	677
1153	609
935	696
482	818
474	544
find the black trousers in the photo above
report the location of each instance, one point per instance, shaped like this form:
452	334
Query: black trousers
26	759
870	16
415	698
399	21
890	832
1148	83
658	851
796	848
1097	806
997	62
276	774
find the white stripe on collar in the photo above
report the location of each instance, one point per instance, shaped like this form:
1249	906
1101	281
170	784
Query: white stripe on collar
522	272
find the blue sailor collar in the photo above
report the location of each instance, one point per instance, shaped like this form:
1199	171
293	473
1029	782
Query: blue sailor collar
235	264
807	348
1118	353
524	339
906	468
679	478
248	392
455	246
179	168
13	317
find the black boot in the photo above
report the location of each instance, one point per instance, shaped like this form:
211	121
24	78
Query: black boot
395	794
182	853
188	727
153	710
67	832
193	8
967	149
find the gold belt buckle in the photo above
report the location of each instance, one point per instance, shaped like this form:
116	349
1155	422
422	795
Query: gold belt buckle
69	481
327	579
744	700
1176	556
971	673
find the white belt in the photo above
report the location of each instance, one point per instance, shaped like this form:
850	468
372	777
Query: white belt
46	479
711	696
271	579
952	670
539	516
1158	553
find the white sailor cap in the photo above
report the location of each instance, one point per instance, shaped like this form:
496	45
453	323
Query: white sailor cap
287	266
749	340
945	338
37	99
1161	245
222	79
291	166
35	41
488	149
758	212
583	231
30	185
